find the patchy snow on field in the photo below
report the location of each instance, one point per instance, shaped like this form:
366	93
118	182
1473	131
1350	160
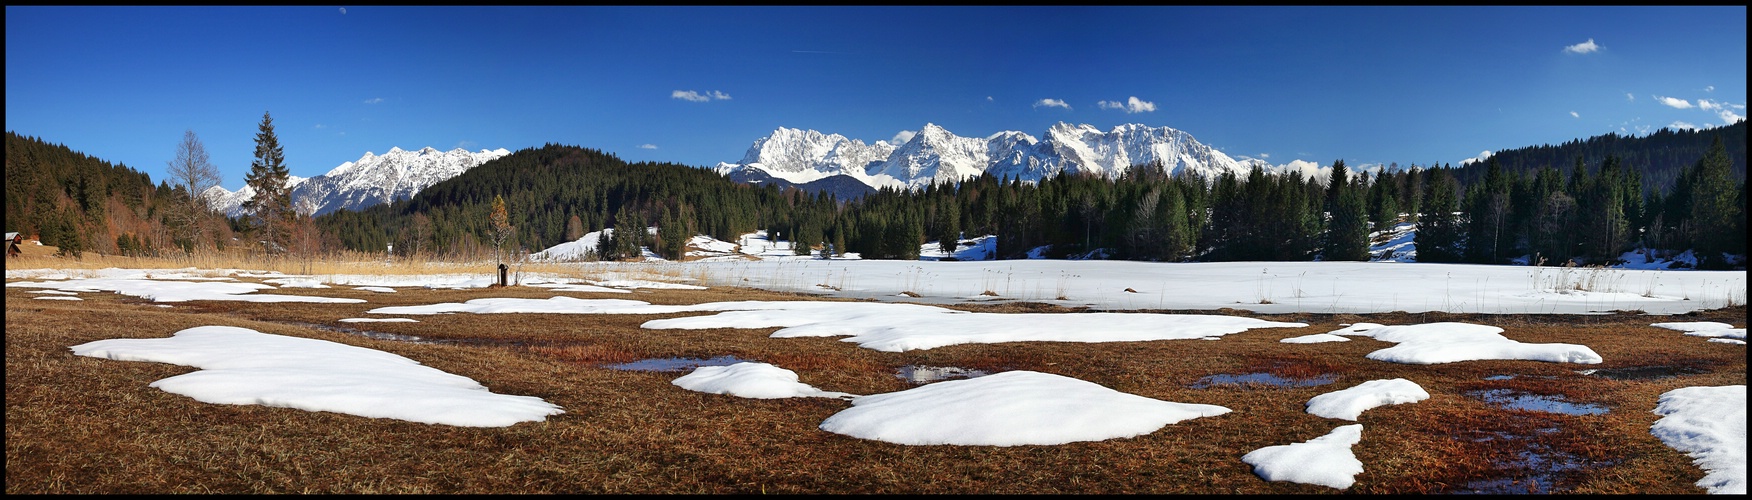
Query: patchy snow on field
878	325
1012	408
751	380
176	291
1348	404
1435	343
1326	460
243	366
1716	331
1709	425
240	366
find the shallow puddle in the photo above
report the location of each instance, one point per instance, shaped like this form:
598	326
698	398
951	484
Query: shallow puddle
1512	376
1642	372
920	374
1535	471
1516	400
369	333
674	364
1538	469
1261	378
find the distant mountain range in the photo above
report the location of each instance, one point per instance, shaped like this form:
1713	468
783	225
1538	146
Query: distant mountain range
371	180
815	161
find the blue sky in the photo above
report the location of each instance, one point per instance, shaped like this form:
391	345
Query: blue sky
697	85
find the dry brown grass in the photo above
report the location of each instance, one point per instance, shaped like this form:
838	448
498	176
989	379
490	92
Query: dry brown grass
84	425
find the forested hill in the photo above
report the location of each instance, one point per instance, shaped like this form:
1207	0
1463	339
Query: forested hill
1658	157
76	202
557	193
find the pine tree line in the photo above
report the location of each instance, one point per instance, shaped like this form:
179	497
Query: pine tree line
1589	212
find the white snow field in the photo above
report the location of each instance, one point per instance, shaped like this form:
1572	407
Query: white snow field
1009	409
243	366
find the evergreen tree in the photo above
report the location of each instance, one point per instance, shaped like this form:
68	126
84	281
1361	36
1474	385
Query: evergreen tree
1336	182
1714	209
1383	201
1440	231
1601	210
1487	217
948	226
270	210
1347	237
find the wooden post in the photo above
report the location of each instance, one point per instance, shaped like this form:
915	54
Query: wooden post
502	269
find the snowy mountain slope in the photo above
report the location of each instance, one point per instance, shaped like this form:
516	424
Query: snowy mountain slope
371	180
936	155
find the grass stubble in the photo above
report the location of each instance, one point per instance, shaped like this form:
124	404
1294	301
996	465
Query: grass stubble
84	425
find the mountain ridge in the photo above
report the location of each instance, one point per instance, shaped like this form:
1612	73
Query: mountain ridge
395	175
936	155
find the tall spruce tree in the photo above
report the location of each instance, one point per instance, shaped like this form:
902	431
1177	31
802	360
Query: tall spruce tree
270	210
1347	237
1714	211
1440	231
1487	207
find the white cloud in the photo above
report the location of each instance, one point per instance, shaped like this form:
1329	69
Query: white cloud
1265	155
1674	102
1706	104
902	137
1052	103
1682	126
374	100
1482	156
647	146
343	10
1572	113
1710	88
689	95
1582	48
1730	117
1132	105
989	98
1630	97
319	125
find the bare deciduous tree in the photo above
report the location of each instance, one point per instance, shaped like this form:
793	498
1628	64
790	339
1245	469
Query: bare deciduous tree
419	230
306	238
194	174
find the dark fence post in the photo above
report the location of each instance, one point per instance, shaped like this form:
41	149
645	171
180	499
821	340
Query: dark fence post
502	275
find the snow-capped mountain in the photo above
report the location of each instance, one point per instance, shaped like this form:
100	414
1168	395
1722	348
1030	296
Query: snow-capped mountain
371	180
936	155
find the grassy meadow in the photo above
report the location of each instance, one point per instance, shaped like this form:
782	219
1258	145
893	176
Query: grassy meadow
86	425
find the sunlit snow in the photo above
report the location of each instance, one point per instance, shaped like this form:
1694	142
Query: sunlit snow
1707	329
1009	409
1433	343
751	380
1348	404
243	366
1326	460
177	291
880	326
1709	425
